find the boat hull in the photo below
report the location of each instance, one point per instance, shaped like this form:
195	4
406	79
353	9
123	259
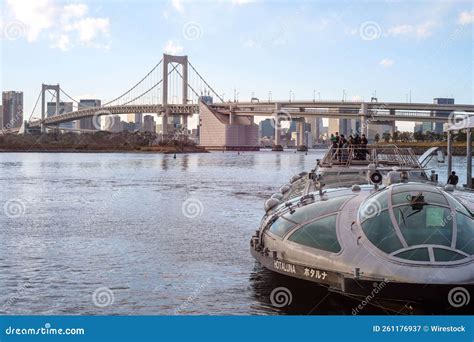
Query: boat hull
363	288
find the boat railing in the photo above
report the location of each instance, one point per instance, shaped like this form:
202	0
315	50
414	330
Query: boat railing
388	155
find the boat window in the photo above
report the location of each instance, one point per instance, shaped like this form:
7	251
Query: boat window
316	209
439	220
430	197
426	225
320	234
300	215
417	254
281	226
373	205
379	230
458	206
465	237
446	255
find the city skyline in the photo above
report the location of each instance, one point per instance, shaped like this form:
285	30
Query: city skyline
309	50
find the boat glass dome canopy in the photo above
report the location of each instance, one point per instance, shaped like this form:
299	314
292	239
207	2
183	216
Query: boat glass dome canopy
419	223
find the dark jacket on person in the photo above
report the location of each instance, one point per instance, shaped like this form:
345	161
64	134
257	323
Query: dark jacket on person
453	180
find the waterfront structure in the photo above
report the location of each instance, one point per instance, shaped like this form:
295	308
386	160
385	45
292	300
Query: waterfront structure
267	128
149	124
11	115
88	123
227	132
113	123
64	107
238	114
438	126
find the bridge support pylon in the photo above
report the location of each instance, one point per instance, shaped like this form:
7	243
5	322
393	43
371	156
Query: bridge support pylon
44	88
276	121
300	145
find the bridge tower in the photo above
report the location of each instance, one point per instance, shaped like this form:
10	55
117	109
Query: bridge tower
44	88
182	60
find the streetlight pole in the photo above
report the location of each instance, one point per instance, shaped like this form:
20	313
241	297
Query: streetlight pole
289	95
314	95
270	96
343	95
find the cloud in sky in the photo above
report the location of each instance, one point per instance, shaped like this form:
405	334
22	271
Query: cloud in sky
178	5
466	17
64	25
172	48
420	31
386	62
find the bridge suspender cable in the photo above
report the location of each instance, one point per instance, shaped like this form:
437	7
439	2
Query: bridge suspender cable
62	91
153	87
34	108
217	95
128	91
192	89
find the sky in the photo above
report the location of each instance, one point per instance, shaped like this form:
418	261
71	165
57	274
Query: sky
98	49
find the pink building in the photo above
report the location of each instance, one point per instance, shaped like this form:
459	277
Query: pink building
227	132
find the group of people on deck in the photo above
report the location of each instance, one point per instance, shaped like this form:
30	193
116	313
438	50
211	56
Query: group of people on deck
343	147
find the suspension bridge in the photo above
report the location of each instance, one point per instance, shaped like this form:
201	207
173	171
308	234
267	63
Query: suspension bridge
175	88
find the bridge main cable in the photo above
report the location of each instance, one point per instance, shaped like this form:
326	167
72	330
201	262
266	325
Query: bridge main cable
207	84
128	91
153	87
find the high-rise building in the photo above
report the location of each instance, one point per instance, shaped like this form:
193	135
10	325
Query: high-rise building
267	128
88	123
136	118
438	126
113	123
12	109
64	107
149	124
